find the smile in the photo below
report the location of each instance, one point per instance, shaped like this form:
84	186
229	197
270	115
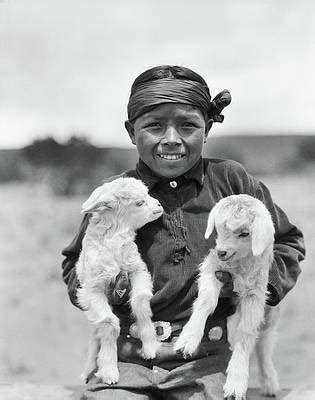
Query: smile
171	156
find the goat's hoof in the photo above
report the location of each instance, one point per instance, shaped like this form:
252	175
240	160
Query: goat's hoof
235	396
147	355
108	375
234	389
148	351
86	376
186	346
269	393
270	388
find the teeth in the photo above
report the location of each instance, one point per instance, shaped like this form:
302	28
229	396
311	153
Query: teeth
171	156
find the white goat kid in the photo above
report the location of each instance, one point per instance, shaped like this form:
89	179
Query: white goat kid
118	209
244	248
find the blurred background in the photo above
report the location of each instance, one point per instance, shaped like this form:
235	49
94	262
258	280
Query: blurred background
65	74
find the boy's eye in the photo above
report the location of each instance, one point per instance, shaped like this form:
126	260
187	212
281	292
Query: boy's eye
139	203
243	234
189	125
155	125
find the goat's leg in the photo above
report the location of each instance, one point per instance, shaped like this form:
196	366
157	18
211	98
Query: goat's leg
251	312
232	324
208	294
107	332
140	296
93	350
264	350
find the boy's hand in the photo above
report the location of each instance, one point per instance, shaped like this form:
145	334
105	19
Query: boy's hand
119	290
226	279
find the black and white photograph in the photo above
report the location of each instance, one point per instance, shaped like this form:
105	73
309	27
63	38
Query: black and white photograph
157	184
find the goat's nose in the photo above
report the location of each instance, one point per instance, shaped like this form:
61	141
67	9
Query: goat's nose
159	208
221	253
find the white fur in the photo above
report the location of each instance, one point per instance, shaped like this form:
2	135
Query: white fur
118	209
248	259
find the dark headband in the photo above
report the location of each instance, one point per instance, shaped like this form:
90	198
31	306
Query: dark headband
169	90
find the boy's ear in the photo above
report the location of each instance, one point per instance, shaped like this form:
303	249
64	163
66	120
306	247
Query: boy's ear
131	131
209	124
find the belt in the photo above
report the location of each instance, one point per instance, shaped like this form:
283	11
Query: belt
164	330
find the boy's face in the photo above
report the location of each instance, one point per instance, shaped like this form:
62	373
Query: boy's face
170	138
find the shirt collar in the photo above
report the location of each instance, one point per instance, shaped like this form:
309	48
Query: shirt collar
151	179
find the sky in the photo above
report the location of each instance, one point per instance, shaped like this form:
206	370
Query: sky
66	66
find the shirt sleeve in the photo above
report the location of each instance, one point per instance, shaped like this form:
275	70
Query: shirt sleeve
71	254
289	248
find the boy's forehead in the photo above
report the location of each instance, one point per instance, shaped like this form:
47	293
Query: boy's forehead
173	109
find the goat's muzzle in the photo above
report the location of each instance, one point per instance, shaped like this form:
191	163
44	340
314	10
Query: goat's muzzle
223	255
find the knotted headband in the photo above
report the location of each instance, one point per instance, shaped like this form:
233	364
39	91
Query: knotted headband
169	90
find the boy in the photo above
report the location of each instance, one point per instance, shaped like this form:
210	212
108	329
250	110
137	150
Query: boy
170	114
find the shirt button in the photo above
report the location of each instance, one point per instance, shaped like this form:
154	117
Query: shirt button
173	184
155	371
215	333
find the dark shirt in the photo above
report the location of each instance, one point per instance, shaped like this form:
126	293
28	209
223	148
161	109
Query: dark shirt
173	246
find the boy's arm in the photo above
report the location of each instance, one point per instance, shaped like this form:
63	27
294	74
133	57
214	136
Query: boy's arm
289	250
72	253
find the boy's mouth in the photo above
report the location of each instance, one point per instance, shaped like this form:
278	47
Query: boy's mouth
174	156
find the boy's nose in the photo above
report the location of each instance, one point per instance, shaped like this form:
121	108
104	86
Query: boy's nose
171	136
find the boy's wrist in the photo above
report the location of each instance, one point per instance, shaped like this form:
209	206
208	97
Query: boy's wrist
272	296
119	289
227	288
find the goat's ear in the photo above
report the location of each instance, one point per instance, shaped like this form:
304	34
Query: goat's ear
210	224
97	202
262	234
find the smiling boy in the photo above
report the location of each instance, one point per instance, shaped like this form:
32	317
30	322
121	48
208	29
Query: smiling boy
170	138
170	114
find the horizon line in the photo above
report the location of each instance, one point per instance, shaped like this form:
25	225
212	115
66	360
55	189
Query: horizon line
114	146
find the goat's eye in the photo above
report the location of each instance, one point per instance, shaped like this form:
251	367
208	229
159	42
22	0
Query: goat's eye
139	203
243	234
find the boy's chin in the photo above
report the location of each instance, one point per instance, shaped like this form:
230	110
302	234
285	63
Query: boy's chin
167	172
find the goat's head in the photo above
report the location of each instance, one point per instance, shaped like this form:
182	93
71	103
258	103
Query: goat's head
244	227
126	200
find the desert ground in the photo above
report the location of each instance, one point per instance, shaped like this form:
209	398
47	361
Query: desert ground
43	337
